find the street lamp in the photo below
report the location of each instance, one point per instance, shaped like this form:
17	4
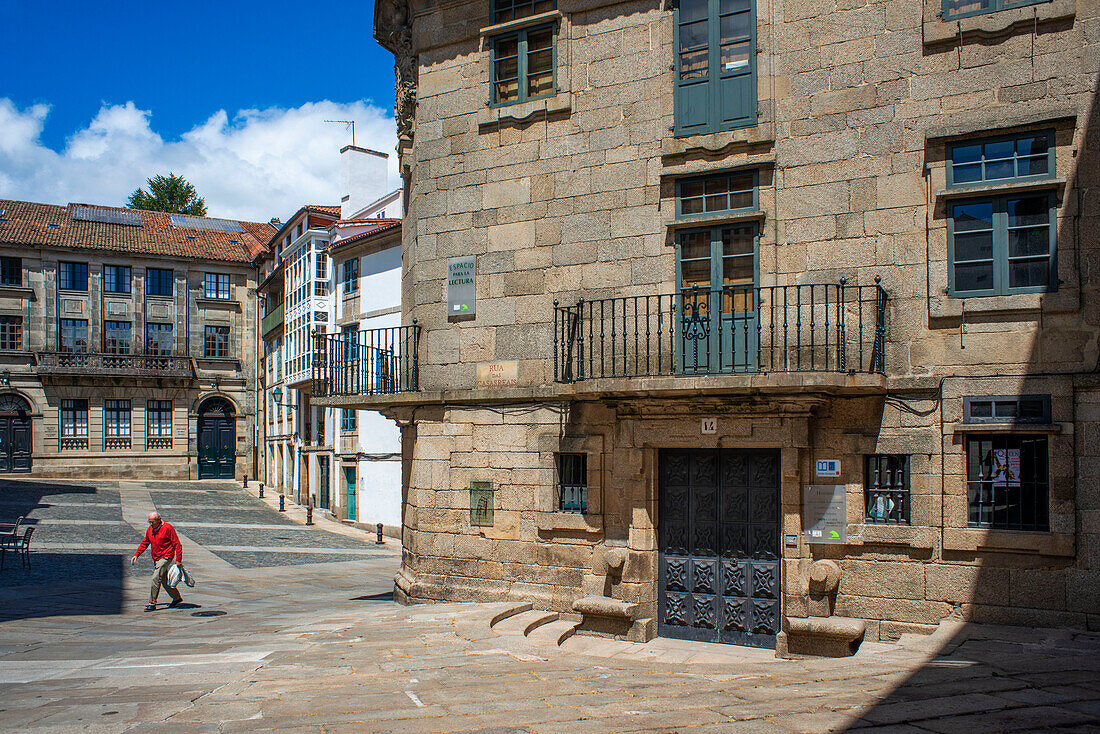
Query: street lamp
277	393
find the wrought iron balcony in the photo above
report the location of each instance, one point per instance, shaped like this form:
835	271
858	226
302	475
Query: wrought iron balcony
88	364
832	327
367	362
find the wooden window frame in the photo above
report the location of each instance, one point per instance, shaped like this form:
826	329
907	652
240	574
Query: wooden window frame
215	341
522	74
72	324
1000	257
72	409
994	6
351	275
714	75
115	281
728	176
159	327
502	7
11	333
1042	417
107	348
11	271
1015	158
73	268
150	279
222	286
116	409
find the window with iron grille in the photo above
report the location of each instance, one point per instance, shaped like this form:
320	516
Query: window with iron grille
506	10
523	65
158	417
11	333
572	482
347	420
116	418
158	282
11	271
351	275
1006	409
74	418
1008	481
887	489
116	278
158	339
216	342
217	285
72	276
73	335
117	337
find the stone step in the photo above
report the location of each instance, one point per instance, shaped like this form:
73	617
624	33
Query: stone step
521	624
554	633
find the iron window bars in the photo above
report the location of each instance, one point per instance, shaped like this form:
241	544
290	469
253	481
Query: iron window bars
572	482
886	489
1008	481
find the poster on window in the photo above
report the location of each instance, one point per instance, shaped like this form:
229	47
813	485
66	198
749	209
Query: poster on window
1006	468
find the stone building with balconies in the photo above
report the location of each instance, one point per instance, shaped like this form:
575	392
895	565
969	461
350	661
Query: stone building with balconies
744	321
127	342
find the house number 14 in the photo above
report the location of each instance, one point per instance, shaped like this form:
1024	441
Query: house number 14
709	425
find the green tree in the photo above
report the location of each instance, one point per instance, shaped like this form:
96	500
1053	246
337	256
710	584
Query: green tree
173	194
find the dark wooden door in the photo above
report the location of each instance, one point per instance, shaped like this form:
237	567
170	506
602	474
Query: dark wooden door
719	554
15	443
217	447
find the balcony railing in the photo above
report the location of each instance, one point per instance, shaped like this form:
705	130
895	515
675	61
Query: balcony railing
271	321
368	362
115	365
832	327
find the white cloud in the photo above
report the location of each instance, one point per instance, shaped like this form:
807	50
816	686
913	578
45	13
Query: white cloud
258	165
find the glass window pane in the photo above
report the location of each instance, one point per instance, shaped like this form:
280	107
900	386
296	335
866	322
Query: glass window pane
695	273
540	84
691	188
967	174
507	47
737	271
973	216
1000	169
999	149
1030	210
1033	166
974	277
1033	145
540	40
716	203
717	185
737	240
1029	273
507	91
732	6
735	56
691	206
741	200
966	153
1029	242
974	246
981	409
693	37
693	10
695	245
735	27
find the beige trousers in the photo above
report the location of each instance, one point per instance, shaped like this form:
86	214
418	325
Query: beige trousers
160	573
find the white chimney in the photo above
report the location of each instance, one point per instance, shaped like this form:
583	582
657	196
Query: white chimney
363	178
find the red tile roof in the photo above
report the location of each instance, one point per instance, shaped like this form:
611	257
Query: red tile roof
383	225
333	210
47	225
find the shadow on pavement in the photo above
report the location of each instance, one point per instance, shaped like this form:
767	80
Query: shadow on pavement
382	596
63	582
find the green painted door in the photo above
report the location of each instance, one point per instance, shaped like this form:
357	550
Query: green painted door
349	491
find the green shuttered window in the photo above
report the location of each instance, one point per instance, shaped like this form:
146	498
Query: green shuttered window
715	66
523	65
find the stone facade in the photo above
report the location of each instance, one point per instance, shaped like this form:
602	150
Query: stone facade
43	374
574	196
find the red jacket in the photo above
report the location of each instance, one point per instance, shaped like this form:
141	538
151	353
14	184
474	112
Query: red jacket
165	543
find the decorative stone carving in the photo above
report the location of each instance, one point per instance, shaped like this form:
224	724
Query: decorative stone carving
393	29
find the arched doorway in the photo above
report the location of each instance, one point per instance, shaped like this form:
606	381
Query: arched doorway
15	434
217	439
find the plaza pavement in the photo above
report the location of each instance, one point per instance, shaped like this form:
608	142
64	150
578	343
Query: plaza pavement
307	639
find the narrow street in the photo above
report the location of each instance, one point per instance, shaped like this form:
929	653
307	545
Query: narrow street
304	637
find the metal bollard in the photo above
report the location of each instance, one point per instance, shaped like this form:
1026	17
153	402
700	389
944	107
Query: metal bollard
261	490
309	514
282	503
246	481
379	541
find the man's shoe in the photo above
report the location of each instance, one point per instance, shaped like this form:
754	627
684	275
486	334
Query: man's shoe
175	603
150	607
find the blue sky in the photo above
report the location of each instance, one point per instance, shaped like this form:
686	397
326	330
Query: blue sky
183	84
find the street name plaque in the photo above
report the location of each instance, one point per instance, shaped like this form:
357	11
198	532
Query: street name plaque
825	513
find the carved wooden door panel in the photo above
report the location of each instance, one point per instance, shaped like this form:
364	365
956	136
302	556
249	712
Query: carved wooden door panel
718	560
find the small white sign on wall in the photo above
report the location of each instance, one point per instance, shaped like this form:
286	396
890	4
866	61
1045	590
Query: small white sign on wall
708	425
828	467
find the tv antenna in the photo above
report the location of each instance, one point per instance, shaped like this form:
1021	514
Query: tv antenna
346	122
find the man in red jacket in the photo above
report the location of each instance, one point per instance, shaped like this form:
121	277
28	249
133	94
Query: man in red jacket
163	543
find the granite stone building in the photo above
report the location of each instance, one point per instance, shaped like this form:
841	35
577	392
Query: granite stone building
127	342
760	322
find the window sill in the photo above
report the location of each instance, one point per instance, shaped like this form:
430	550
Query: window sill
938	29
164	299
1009	541
914	536
1008	428
519	24
723	218
560	105
943	306
720	142
17	291
218	303
1007	187
569	522
218	363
